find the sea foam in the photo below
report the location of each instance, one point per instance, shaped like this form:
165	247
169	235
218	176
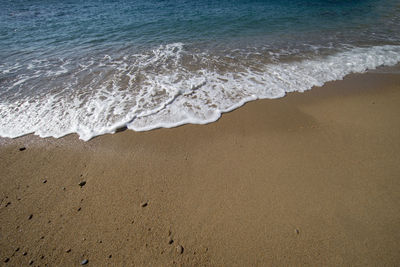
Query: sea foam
164	87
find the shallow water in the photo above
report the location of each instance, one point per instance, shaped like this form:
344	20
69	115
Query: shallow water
94	66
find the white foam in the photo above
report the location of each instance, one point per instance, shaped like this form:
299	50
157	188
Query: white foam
273	81
156	89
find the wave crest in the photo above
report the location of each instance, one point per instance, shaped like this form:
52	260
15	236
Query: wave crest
164	87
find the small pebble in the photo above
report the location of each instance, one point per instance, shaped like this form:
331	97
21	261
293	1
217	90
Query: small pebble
30	217
79	209
109	256
31	262
22	148
42	237
25	253
68	250
144	204
44	181
82	183
170	241
17	249
297	231
6	260
8	204
42	257
84	262
64	188
179	249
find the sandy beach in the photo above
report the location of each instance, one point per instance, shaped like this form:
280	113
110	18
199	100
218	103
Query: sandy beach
309	179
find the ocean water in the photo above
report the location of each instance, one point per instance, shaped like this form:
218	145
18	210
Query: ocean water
91	67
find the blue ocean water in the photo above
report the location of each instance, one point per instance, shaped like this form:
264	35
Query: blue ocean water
90	67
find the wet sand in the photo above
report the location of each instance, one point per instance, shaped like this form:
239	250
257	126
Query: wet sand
309	179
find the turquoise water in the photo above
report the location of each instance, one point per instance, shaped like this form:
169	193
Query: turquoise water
90	67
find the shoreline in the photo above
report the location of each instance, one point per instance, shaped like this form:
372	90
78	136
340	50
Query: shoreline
379	70
307	179
192	99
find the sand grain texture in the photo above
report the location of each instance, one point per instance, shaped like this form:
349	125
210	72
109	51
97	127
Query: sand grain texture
309	179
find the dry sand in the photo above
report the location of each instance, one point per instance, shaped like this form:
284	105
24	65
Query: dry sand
309	179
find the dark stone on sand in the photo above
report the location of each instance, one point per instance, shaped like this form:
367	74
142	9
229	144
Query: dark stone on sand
170	241
109	256
144	204
297	231
64	188
81	184
68	250
42	257
42	237
17	249
30	217
31	262
8	204
25	253
6	260
79	209
179	249
22	148
84	262
44	181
